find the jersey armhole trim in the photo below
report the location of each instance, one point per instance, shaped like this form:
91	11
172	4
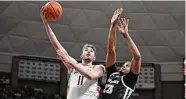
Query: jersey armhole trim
70	71
125	84
103	67
114	73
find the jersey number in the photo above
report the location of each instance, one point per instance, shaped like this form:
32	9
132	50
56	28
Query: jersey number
80	80
108	89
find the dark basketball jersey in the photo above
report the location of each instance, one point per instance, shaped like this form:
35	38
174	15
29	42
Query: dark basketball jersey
119	85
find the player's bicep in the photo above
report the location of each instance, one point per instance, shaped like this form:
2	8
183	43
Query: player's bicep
110	59
136	65
98	71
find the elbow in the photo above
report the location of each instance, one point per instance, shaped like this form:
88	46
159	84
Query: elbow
137	57
111	52
89	77
66	61
62	55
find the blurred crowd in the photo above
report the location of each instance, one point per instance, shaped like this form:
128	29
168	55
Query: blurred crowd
24	92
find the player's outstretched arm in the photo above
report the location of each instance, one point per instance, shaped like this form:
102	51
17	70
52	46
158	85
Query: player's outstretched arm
111	43
54	41
68	61
136	60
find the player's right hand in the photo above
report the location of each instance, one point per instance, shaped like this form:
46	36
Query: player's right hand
42	14
116	15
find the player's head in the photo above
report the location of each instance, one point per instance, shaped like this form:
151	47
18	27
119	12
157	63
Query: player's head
88	52
126	67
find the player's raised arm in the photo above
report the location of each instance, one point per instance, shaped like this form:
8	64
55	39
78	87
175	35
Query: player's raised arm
111	43
68	61
54	41
136	60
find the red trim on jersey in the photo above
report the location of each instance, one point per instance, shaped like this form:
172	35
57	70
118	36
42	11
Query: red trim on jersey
98	89
184	70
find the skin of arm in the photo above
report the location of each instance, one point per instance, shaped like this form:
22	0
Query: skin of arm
68	61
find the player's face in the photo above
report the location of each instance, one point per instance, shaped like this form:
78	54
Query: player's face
126	67
88	54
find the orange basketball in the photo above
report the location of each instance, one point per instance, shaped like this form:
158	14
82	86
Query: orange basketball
52	11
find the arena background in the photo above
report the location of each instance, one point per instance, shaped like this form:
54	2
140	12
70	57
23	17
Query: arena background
157	28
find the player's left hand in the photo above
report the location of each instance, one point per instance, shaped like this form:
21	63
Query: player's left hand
116	15
123	28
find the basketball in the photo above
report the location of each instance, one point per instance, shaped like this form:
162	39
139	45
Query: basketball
52	11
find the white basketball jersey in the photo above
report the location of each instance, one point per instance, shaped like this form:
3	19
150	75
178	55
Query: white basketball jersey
81	88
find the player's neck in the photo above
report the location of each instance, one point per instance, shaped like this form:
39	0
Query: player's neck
86	63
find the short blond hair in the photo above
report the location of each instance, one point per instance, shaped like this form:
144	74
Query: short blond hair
89	45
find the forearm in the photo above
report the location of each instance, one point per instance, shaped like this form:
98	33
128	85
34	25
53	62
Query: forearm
111	47
136	60
133	48
55	43
111	43
53	39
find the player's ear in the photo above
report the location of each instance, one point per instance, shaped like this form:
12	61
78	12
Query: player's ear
81	56
94	58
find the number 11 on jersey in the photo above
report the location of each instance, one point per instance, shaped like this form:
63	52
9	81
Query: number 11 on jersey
80	80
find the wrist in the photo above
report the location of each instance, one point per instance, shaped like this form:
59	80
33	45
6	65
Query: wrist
44	21
125	35
113	25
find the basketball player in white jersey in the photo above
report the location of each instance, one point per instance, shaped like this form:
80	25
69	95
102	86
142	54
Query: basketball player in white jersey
120	81
83	81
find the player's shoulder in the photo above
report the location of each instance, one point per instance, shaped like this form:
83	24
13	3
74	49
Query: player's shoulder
100	66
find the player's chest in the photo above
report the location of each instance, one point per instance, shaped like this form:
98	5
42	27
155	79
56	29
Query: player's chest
114	79
76	73
112	83
77	79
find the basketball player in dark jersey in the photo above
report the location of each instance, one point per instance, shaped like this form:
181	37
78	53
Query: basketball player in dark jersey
120	81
